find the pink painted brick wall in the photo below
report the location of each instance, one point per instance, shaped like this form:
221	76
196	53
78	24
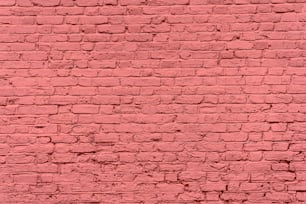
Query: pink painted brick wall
152	101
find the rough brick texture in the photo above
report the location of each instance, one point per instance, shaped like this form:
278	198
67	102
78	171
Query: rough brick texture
152	101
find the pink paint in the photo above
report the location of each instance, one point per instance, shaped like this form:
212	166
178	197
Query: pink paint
152	101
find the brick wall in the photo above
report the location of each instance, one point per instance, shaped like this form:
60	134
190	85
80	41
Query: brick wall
152	101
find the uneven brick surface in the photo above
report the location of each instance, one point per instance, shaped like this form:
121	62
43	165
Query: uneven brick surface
152	101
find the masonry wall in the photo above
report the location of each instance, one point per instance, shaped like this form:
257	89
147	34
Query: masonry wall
152	101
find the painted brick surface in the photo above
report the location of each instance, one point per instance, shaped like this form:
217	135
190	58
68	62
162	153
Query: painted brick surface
152	101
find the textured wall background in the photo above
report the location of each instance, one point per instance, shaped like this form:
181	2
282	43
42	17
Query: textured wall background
152	101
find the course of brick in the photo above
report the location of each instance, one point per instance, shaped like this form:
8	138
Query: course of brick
152	101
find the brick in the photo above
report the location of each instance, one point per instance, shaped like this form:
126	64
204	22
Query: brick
131	2
274	156
43	20
252	187
105	82
63	81
213	186
243	45
43	3
301	196
7	3
87	2
255	127
141	82
81	91
298	186
106	157
155	101
4	149
234	196
85	109
299	127
83	148
166	3
111	137
161	28
258	146
96	20
284	176
37	110
39	148
35	56
234	137
114	29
